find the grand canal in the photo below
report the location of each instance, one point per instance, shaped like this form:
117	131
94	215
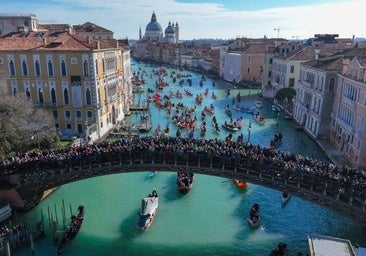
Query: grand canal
210	219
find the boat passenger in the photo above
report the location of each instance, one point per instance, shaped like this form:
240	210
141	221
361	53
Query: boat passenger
254	213
280	250
154	193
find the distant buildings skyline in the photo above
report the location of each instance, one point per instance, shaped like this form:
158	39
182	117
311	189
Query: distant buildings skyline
211	19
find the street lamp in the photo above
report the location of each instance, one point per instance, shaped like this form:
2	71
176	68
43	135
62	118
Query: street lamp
249	130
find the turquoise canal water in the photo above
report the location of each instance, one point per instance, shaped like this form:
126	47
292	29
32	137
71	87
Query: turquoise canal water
211	218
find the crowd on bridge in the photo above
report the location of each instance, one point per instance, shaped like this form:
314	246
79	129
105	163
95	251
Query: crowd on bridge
229	148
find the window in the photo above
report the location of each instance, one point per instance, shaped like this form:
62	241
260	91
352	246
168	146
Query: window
96	67
24	68
53	96
292	69
63	68
37	68
27	93
50	68
55	114
89	116
74	61
11	68
66	97
40	95
85	68
78	115
291	82
88	97
67	115
1	60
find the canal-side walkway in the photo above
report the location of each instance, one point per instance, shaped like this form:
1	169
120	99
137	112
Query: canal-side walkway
332	153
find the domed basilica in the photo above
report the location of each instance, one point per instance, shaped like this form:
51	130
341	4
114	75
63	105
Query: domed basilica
154	32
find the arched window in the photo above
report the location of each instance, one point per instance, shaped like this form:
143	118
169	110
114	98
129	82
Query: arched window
37	68
53	95
88	97
331	84
12	68
96	67
66	97
85	68
63	68
27	93
40	95
50	68
24	68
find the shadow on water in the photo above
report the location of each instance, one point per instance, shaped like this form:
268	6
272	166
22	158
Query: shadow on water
128	227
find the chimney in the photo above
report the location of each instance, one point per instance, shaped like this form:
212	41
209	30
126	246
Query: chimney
117	44
98	45
88	39
44	41
317	53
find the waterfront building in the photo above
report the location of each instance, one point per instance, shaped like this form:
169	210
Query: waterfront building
84	84
315	95
348	117
92	30
18	22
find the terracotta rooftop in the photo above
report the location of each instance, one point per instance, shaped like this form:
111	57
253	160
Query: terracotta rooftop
90	27
60	40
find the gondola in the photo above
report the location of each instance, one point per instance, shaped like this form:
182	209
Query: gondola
72	230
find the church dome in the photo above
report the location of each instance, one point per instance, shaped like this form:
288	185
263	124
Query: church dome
153	26
169	29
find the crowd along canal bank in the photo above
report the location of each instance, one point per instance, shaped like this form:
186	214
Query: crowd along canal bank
212	218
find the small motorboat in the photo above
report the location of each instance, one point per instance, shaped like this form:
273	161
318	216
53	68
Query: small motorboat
151	174
185	181
72	230
254	216
240	184
285	198
228	111
258	104
259	119
275	108
149	206
230	127
276	141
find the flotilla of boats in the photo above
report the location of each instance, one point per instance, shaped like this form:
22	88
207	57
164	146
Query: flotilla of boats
185	180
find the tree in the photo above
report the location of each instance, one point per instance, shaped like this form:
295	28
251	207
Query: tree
285	93
285	98
20	121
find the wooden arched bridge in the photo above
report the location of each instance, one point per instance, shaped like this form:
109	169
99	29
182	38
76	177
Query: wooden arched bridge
336	194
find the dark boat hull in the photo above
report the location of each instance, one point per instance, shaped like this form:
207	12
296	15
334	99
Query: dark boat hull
185	182
73	229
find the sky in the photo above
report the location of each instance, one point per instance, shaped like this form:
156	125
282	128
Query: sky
216	19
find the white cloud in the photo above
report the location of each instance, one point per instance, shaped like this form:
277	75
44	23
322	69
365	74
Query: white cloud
208	20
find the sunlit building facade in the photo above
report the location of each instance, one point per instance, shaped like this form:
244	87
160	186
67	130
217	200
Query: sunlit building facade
84	84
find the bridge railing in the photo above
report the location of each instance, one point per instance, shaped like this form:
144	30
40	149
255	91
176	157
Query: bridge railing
345	190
